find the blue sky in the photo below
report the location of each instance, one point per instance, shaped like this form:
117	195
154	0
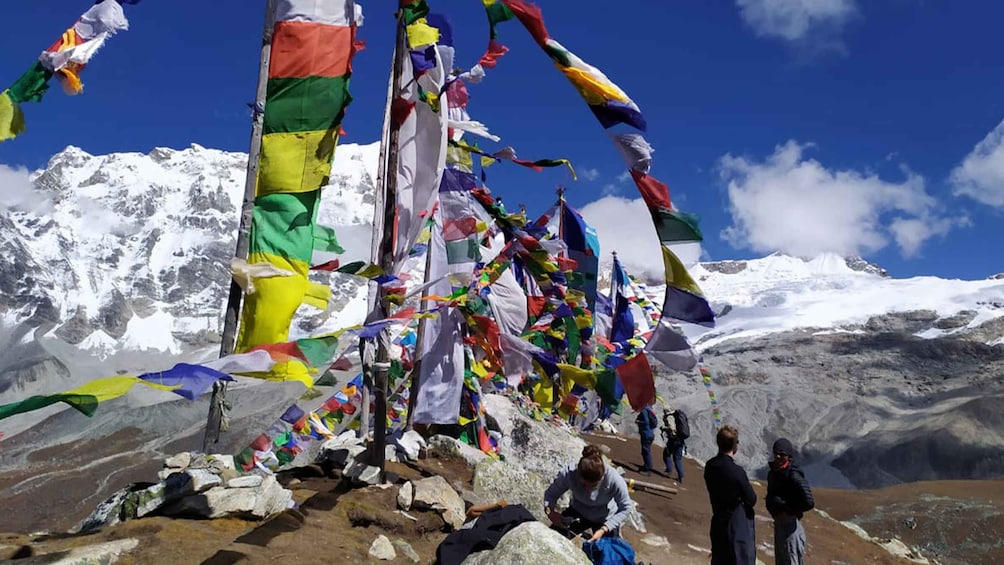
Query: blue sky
830	125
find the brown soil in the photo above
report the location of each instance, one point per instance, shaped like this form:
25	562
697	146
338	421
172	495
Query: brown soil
335	523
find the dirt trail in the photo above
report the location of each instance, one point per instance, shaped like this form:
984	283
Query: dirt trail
335	523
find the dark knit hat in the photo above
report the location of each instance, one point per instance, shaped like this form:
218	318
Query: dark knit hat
784	446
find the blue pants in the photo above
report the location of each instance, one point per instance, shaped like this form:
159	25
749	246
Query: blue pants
676	454
646	452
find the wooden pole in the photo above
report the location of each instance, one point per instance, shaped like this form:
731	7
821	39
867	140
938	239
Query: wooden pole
218	404
641	485
383	255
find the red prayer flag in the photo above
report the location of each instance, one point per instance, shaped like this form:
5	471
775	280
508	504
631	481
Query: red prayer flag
655	193
638	381
531	18
493	54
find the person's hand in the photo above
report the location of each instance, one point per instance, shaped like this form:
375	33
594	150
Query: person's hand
600	532
556	518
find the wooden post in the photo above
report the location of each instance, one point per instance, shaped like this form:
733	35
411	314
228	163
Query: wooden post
385	213
218	404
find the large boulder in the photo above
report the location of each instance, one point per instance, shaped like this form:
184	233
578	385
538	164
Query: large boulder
437	494
531	542
252	502
505	480
537	446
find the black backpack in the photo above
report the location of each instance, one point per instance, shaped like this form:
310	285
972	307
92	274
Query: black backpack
682	424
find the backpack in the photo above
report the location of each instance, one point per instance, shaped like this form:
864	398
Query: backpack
668	425
682	424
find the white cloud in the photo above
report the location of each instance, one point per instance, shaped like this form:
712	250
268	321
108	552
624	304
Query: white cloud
798	206
813	23
625	226
18	193
589	174
980	176
616	187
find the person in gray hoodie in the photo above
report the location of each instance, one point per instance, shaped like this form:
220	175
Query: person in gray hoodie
600	501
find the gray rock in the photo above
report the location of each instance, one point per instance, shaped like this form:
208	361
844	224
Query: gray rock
390	453
405	496
363	473
531	542
342	449
437	494
382	549
506	480
97	554
450	447
247	481
253	502
539	447
410	443
406	549
725	267
955	321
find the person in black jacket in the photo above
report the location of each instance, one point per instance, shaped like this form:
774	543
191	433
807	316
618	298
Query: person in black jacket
788	498
733	539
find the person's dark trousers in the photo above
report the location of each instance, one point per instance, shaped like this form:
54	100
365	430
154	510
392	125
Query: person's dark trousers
646	453
733	539
674	454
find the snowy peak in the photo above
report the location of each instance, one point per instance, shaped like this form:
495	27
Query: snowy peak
782	266
132	250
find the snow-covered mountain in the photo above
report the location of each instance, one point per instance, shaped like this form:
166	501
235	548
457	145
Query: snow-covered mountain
830	293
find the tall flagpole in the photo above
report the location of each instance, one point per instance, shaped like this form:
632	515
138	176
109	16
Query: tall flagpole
613	294
384	226
218	404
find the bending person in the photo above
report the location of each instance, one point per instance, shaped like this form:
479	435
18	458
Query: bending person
600	500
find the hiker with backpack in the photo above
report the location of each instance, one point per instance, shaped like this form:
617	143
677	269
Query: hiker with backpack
675	431
788	497
647	422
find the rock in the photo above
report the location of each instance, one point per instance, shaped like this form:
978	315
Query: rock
531	542
446	446
435	493
405	496
106	514
900	549
957	320
219	463
163	474
101	553
406	549
382	549
363	473
390	453
656	541
258	502
247	481
411	444
342	449
537	446
497	480
201	480
179	461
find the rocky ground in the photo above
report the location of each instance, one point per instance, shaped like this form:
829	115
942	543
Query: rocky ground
332	520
